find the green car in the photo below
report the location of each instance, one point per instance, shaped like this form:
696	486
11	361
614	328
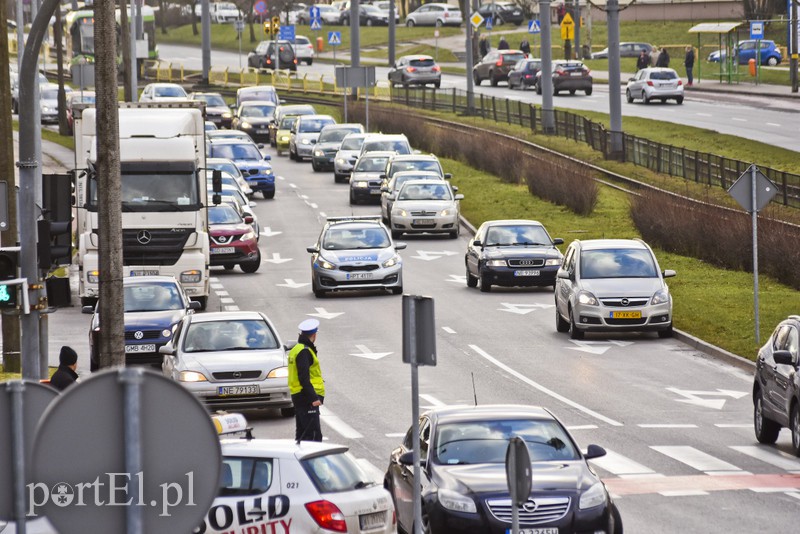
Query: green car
283	133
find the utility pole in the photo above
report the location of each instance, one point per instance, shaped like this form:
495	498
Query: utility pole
206	31
614	96
793	60
20	34
125	36
392	17
112	340
577	17
355	34
8	238
134	69
62	96
548	114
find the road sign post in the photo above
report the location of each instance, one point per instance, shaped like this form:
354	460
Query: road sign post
239	27
518	476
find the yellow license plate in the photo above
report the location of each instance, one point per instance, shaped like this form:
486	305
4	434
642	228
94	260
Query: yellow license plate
626	315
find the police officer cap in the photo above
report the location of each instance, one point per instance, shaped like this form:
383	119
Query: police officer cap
309	326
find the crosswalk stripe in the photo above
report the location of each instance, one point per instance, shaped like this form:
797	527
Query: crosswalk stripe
622	466
698	459
777	458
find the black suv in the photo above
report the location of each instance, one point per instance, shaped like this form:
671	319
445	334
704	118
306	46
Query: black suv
263	57
776	388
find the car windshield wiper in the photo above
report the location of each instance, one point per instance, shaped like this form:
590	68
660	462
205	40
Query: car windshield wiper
362	484
529	243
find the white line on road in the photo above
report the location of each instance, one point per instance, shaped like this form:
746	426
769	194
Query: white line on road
339	426
703	114
448	330
432	400
772	457
697	459
226	300
683	493
737	119
774	124
733	425
621	466
221	293
293	186
304	197
395	435
543	389
581	427
232	308
312	205
667	425
323	215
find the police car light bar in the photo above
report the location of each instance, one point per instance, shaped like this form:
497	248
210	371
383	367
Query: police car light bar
231	423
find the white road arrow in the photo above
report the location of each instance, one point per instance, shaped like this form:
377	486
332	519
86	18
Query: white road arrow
523	309
459	279
267	231
695	397
597	347
292	284
276	258
324	314
368	354
428	255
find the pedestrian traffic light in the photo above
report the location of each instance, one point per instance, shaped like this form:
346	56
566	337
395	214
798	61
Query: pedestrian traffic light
54	246
9	261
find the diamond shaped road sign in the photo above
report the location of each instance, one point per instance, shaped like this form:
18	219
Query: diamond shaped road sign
476	20
742	190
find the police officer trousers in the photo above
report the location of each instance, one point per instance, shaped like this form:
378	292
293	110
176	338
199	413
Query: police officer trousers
306	417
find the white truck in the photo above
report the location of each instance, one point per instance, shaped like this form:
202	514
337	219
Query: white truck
164	214
219	12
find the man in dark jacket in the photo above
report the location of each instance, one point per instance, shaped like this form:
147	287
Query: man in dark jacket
663	58
65	375
525	46
643	61
503	44
688	62
306	384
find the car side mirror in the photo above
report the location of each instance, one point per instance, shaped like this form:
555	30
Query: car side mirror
87	309
248	219
194	305
477	243
391	196
558	241
455	188
562	273
252	204
167	349
668	273
783	357
233	107
407	458
313	141
631	79
447	176
594	451
400	246
459	197
384	189
288	346
382	176
267	157
313	249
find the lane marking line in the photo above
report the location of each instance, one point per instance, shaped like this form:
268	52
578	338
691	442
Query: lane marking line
667	425
432	400
697	459
448	330
337	425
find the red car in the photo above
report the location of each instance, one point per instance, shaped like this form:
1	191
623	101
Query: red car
233	241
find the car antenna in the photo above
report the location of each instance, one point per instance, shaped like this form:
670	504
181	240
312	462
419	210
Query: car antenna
474	392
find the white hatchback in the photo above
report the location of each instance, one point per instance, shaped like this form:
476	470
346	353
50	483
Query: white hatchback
303	49
273	485
657	83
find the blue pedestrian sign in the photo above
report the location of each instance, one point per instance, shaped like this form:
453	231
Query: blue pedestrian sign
313	12
316	24
488	23
757	29
334	38
533	26
286	33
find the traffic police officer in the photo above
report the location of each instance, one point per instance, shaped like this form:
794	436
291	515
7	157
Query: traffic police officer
306	384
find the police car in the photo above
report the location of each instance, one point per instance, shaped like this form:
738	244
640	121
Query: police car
355	253
274	485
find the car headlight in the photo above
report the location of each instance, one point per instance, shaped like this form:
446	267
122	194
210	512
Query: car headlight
247	236
458	503
284	139
93	277
319	153
322	262
360	184
341	161
226	115
551	262
246	125
594	496
305	141
391	262
496	263
399	212
584	297
447	212
191	376
166	332
661	296
279	372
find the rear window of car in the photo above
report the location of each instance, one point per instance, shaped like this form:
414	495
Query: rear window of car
570	66
334	135
245	476
663	75
352	143
335	472
617	263
313	126
418	165
422	63
512	58
151	297
301	40
401	147
371	164
243	151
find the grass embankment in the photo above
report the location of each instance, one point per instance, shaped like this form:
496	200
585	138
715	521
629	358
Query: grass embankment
54	137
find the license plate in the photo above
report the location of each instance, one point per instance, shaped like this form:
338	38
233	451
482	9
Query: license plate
145	272
237	390
423	221
359	276
527	272
374	191
374	520
262	130
534	531
150	347
576	74
223	250
626	315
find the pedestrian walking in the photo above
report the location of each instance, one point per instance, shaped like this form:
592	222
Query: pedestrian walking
306	384
483	46
503	44
525	47
688	62
643	61
65	375
663	58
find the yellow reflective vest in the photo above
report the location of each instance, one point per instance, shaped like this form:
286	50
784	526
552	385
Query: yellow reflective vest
314	371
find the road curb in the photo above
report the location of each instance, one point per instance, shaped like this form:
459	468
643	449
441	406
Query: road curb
714	351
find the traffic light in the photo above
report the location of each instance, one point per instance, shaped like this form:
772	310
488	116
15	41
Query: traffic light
54	246
9	261
267	27
276	26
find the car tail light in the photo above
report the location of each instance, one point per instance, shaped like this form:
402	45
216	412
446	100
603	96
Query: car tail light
499	62
680	82
650	83
446	14
411	69
528	76
436	68
560	72
327	515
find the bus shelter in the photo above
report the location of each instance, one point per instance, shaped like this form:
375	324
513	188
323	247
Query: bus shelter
727	38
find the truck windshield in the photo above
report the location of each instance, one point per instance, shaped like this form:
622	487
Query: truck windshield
155	192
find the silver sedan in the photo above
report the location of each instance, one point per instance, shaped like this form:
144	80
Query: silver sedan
426	206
